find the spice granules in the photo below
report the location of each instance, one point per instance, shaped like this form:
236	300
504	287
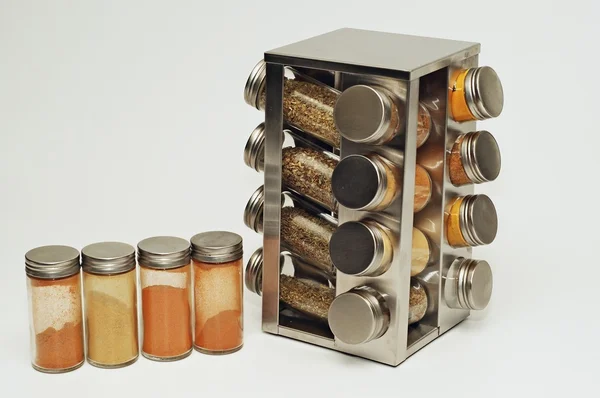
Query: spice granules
423	125
458	102
454	234
458	176
309	171
312	299
307	236
417	303
421	252
166	311
57	323
422	188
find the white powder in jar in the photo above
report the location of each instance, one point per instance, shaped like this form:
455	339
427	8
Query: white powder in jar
55	306
151	277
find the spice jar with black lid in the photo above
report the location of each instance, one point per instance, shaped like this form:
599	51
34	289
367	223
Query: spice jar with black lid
371	182
307	103
110	293
218	292
55	310
306	296
166	284
304	169
303	232
471	221
476	94
474	159
373	115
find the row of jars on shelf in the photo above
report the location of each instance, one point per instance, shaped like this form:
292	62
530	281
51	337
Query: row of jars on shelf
191	297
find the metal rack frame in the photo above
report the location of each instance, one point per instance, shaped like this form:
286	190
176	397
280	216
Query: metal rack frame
418	69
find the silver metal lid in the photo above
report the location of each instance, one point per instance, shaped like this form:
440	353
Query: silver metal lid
359	182
253	276
217	247
359	315
358	248
484	93
255	84
475	284
363	114
164	252
478	220
253	213
108	258
254	152
52	262
480	156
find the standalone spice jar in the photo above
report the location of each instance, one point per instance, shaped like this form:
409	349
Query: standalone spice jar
109	285
54	290
307	103
371	182
166	283
468	284
370	115
471	221
218	292
476	94
475	159
306	296
366	248
305	170
302	232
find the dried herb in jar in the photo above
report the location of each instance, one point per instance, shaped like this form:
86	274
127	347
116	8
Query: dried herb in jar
312	299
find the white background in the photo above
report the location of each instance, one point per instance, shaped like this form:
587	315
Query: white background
121	120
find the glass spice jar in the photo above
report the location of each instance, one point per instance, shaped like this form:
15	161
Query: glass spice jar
366	248
218	292
110	294
306	296
471	221
371	182
468	284
55	318
307	103
302	232
476	94
166	284
372	115
303	169
474	159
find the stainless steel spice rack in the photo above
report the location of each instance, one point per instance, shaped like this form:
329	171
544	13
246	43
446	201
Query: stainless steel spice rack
417	70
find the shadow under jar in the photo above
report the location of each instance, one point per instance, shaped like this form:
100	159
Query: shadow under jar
110	293
305	295
166	283
306	170
218	292
373	115
371	182
474	159
302	232
307	103
56	325
471	221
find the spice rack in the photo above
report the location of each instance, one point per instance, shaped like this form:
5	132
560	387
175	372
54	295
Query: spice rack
418	70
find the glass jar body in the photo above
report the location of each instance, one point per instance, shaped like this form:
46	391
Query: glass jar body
308	105
218	300
55	320
111	319
166	312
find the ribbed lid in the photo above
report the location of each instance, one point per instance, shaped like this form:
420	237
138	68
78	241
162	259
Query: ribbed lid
217	247
478	220
357	248
254	152
253	276
52	262
108	258
164	252
253	213
480	156
255	84
475	284
484	93
359	182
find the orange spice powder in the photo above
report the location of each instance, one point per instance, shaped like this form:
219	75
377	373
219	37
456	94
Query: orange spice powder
453	233
455	165
458	101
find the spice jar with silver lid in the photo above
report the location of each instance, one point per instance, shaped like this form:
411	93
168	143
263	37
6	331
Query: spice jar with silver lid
476	94
110	294
55	309
373	115
304	295
471	221
304	232
372	182
366	248
218	292
166	284
305	169
468	284
307	103
474	159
